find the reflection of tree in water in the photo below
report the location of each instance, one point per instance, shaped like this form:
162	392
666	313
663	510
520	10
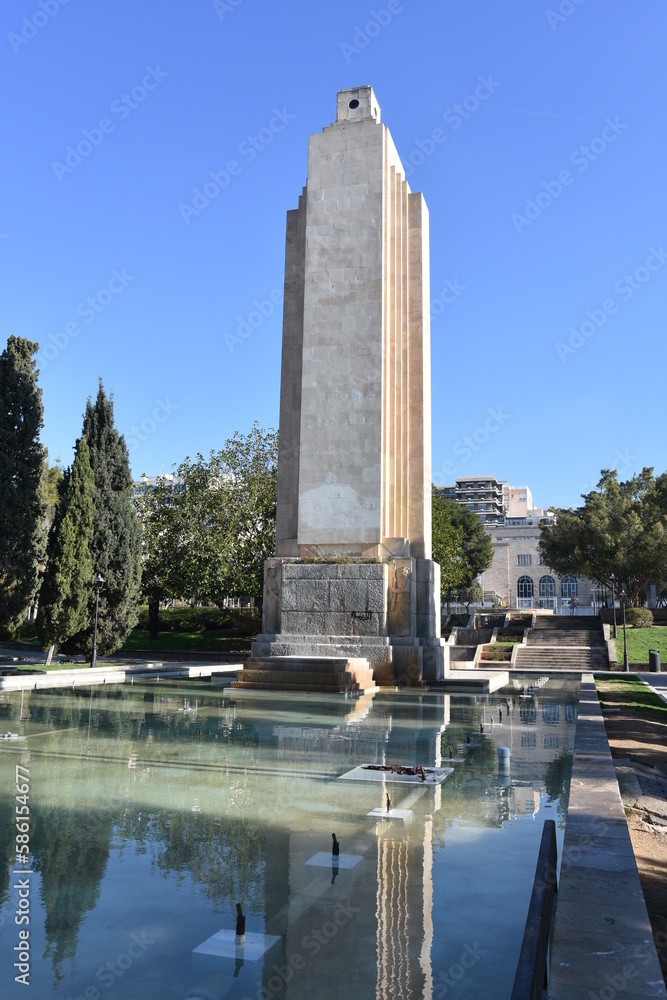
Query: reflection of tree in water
132	712
557	781
70	851
225	856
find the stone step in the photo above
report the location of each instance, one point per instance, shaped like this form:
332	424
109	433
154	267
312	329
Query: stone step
310	664
273	686
327	674
250	674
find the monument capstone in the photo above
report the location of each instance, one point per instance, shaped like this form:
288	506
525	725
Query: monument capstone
353	576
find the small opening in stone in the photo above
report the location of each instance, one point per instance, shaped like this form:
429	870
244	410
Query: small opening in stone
354	104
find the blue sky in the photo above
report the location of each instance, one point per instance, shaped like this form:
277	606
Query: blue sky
534	129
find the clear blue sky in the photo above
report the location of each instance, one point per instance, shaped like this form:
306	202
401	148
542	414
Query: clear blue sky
171	91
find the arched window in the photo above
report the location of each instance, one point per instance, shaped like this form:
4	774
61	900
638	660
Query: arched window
568	588
525	587
547	592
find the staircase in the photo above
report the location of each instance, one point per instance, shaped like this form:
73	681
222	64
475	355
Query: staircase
324	674
560	643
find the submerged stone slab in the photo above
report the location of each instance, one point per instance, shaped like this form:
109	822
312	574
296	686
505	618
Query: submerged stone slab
325	859
404	816
434	776
224	945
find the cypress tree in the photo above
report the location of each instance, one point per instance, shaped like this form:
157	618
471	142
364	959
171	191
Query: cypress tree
116	542
65	595
22	504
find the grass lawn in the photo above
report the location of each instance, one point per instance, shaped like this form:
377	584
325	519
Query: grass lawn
636	694
41	669
640	640
209	641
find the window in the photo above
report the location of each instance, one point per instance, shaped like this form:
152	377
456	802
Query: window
547	587
525	560
568	588
525	587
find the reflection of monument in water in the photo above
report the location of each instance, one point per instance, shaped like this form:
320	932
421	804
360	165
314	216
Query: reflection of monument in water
353	576
367	927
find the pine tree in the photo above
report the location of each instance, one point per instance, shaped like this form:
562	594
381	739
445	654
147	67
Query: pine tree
22	505
65	595
116	541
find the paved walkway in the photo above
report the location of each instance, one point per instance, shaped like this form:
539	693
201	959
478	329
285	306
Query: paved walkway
658	682
109	672
602	946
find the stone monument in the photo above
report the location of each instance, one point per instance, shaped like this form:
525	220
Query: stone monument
352	576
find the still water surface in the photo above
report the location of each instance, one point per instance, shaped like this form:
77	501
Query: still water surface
154	809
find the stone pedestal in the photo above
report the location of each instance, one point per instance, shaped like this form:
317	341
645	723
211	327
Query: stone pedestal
387	611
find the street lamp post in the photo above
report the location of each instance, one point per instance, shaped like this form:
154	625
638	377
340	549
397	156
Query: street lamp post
612	580
98	583
622	597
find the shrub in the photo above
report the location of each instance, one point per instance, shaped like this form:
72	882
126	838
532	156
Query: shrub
233	621
639	617
495	652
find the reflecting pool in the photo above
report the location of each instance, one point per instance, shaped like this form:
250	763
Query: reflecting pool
155	808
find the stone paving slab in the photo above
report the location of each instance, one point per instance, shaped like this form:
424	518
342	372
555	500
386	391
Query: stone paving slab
602	943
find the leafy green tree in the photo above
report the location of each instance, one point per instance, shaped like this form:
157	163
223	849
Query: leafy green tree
476	547
65	595
158	510
207	533
116	541
22	504
447	546
621	530
51	479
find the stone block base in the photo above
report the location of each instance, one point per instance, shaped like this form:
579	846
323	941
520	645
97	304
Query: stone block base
385	611
332	674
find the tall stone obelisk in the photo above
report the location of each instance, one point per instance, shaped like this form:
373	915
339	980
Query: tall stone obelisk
353	573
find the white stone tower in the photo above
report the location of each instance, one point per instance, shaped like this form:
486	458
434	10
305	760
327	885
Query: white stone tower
353	576
355	408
